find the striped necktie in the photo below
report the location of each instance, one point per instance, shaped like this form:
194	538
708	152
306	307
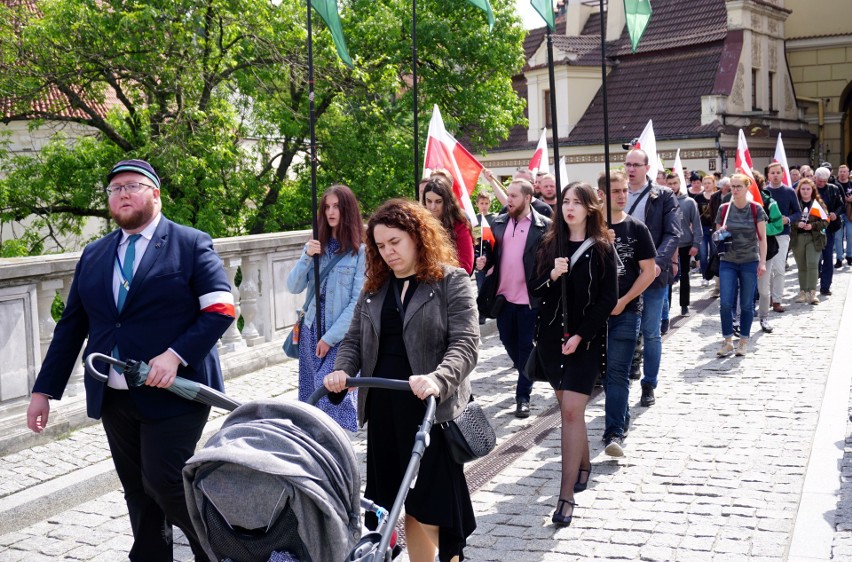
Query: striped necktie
127	270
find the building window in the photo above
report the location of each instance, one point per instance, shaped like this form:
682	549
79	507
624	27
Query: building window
755	99
771	90
548	121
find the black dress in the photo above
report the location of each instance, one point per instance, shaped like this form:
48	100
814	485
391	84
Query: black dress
441	496
592	293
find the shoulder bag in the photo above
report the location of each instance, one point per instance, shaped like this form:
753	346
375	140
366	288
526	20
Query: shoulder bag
469	436
291	344
533	369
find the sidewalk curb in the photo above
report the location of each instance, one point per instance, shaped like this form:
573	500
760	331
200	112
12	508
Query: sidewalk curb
814	525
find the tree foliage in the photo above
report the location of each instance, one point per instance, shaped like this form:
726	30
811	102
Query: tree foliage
215	94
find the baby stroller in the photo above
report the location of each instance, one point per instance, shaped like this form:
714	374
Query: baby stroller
280	481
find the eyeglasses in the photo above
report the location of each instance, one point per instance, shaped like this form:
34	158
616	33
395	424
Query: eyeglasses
634	165
132	187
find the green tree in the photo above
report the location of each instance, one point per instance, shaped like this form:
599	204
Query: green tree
214	93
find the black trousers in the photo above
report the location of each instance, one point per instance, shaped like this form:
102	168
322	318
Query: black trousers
149	456
683	265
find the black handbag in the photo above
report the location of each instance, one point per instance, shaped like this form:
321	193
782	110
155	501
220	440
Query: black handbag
488	302
712	269
469	436
533	370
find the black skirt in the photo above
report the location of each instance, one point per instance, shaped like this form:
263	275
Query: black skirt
440	496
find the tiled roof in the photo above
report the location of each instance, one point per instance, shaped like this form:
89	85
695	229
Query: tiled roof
666	87
686	41
53	102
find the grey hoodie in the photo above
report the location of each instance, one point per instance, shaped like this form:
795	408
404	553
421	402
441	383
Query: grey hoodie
692	232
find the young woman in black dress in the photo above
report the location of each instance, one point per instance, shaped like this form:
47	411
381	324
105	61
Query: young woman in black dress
416	320
569	354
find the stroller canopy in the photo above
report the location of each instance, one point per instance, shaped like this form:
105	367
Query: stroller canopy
272	466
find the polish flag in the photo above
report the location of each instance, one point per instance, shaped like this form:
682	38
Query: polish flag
743	163
678	170
486	231
817	211
444	151
648	143
744	166
540	161
781	158
563	173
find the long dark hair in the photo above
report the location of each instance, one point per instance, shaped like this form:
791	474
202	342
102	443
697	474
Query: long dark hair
350	228
433	245
452	212
595	227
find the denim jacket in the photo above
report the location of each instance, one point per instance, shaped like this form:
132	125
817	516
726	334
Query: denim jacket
343	286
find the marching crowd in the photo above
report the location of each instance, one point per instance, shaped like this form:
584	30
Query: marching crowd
577	302
580	302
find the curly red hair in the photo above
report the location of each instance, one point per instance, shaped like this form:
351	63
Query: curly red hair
433	244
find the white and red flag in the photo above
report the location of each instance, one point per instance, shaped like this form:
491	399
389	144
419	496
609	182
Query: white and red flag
817	211
444	151
678	170
648	143
563	173
744	166
781	158
743	162
540	161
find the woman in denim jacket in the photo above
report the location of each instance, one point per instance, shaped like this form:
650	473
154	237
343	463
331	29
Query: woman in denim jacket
340	233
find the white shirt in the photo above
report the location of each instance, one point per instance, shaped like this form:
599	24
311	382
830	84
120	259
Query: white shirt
117	380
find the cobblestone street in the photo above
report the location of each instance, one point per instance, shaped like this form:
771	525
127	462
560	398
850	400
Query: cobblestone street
728	465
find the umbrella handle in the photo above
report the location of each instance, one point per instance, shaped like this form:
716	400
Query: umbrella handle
97	375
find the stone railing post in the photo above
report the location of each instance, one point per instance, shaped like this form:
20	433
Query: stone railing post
46	324
232	340
75	383
250	295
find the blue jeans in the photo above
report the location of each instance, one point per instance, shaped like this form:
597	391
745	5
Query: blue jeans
623	331
737	279
516	325
706	249
652	351
826	270
838	239
847	229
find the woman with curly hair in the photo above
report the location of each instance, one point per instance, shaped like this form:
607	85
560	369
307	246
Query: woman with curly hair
340	248
808	239
439	199
572	365
416	320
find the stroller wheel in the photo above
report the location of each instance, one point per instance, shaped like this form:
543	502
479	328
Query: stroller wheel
366	550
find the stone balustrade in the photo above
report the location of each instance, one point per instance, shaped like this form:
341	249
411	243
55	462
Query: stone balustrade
29	286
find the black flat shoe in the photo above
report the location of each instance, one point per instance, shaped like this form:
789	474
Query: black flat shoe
581	483
558	518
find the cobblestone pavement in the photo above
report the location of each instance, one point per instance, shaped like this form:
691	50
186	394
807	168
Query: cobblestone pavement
713	471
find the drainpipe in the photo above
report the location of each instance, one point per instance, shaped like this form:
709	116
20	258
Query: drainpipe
820	121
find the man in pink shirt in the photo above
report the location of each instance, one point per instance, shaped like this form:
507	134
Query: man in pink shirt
517	232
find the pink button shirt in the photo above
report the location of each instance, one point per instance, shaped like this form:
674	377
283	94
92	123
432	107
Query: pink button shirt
513	281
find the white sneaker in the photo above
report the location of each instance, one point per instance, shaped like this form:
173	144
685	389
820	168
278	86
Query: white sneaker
726	349
742	347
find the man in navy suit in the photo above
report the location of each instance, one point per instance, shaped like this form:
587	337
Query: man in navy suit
153	291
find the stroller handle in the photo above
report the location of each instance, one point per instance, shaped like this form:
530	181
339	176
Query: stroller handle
357	382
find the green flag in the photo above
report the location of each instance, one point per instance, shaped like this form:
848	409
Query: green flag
638	14
485	6
545	8
327	10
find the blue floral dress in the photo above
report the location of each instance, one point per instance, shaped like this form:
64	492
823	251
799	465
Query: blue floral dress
312	369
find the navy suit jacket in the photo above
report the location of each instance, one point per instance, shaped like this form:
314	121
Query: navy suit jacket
162	310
